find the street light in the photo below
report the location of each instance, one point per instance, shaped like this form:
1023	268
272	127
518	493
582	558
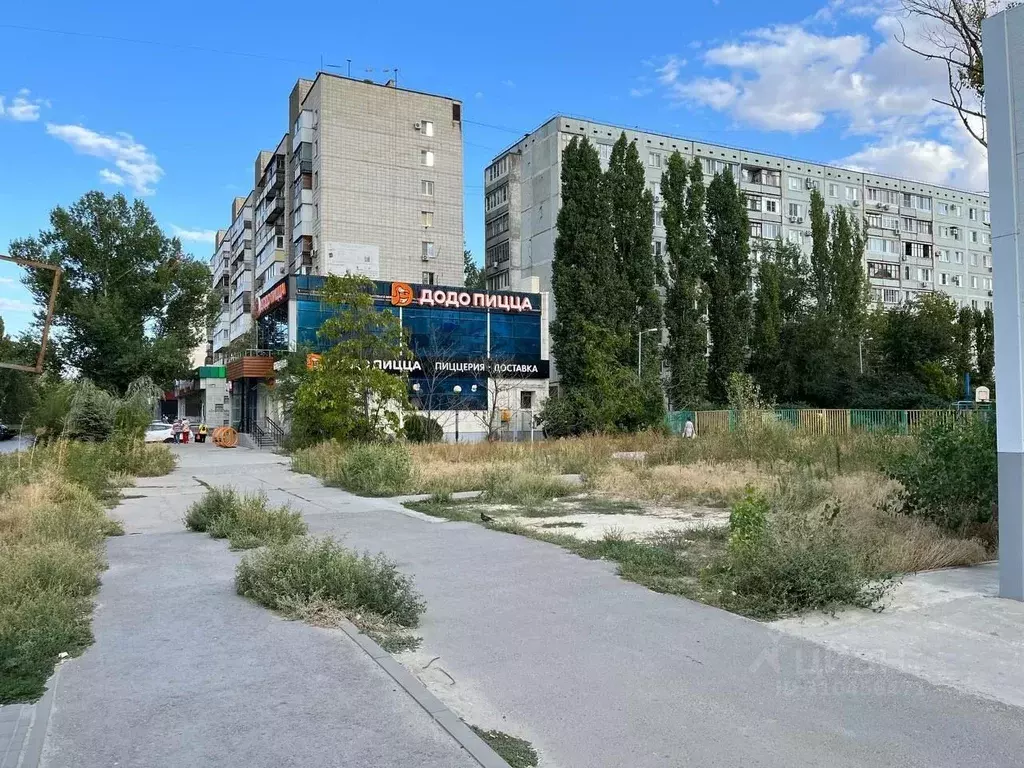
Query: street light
458	391
860	350
640	349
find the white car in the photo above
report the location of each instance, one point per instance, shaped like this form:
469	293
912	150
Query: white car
159	432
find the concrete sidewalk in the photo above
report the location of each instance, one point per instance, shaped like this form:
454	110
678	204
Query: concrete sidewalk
594	671
186	673
947	627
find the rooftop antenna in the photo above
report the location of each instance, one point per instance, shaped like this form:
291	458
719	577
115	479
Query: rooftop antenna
395	70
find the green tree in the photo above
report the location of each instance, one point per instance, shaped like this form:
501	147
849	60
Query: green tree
18	390
963	342
636	271
131	303
766	339
473	275
918	345
822	272
729	282
345	396
849	298
582	271
689	261
984	340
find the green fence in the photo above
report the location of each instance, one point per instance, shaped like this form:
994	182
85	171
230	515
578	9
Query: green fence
820	421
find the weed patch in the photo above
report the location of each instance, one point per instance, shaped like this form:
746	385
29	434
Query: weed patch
518	753
304	571
245	520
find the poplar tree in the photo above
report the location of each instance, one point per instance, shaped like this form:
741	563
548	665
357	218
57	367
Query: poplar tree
729	283
582	270
635	287
688	261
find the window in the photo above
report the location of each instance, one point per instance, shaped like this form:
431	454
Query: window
986	260
795	182
427	127
795	237
956	280
655	189
496	226
497	254
771	205
972	214
657	248
942	255
974	235
974	303
974	259
956	210
496	197
908	224
987	282
426	158
658	218
795	210
497	282
770	230
920	202
654	160
874	195
942	209
906	273
604	153
316	147
755	229
427	188
925	274
951	232
883	270
427	249
986	217
943	278
526	400
917	250
427	219
974	281
852	193
753	202
988	305
890	296
986	238
496	169
771	178
882	245
428	278
958	257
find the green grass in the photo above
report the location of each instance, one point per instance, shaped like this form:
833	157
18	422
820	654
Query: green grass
52	527
245	520
524	487
518	753
561	525
306	571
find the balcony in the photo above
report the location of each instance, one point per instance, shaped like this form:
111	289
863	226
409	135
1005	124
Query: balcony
273	177
269	211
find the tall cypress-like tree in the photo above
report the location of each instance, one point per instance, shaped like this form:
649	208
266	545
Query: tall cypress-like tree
688	255
583	268
729	282
821	263
849	288
766	336
984	341
632	209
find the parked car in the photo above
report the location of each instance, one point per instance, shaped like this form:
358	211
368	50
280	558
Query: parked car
6	433
159	432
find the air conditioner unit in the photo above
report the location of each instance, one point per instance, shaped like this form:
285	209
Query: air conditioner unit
417	126
954	232
896	232
924	284
906	258
880	205
808	183
856	203
792	219
990	293
799	219
990	269
807	233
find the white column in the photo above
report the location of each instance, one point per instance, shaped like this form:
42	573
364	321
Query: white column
1003	36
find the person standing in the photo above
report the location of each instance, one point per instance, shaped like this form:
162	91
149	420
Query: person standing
688	429
176	429
186	428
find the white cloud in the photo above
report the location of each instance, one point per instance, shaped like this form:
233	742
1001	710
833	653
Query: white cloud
110	177
15	305
638	93
478	95
194	235
22	108
797	78
136	166
7	281
508	83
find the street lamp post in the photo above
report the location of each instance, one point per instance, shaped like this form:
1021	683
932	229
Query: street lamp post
458	391
640	350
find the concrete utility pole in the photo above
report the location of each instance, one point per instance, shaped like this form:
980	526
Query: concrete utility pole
1003	36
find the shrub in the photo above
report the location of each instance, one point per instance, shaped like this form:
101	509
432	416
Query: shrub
245	521
322	460
950	478
306	570
422	429
375	469
216	503
791	561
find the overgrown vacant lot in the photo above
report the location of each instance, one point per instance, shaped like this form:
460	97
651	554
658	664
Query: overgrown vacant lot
52	525
830	524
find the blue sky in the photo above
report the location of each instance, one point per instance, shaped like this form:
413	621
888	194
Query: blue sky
178	117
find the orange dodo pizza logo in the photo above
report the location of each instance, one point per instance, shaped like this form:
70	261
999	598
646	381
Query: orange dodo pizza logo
401	294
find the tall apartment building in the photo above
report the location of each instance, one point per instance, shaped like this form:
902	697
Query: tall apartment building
920	237
367	180
232	269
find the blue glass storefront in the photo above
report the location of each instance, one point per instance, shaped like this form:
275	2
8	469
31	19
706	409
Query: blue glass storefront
437	331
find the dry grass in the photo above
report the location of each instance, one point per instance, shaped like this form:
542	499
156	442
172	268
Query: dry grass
697	483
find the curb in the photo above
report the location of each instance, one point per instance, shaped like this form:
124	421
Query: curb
452	723
32	751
